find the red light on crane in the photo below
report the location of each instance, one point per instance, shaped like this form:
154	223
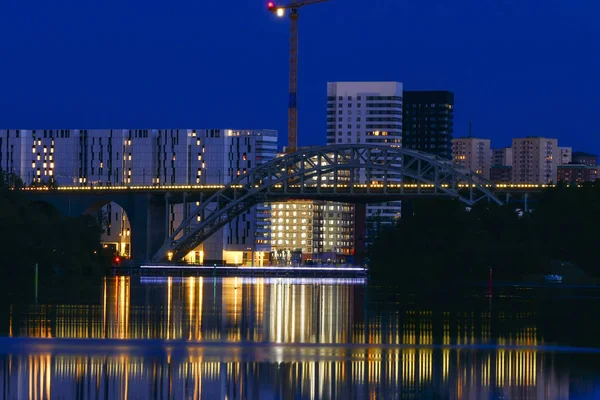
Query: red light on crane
270	5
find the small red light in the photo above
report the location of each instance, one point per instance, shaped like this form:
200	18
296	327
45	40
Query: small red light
270	5
117	260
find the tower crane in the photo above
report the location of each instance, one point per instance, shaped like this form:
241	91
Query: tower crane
279	10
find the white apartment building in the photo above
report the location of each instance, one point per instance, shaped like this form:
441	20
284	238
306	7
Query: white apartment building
566	155
117	157
367	113
535	160
472	153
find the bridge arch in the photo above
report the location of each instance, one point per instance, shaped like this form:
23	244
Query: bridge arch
117	230
350	173
74	203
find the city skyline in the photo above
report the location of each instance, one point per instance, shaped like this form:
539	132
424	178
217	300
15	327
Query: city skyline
174	76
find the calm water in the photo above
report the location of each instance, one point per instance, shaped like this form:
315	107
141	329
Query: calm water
252	338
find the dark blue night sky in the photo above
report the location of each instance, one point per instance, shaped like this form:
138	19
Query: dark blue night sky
517	67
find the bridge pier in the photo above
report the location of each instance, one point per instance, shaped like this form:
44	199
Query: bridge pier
148	227
360	231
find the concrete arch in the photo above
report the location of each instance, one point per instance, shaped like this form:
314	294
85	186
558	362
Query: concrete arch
352	173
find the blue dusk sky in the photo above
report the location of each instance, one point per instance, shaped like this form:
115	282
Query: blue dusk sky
517	67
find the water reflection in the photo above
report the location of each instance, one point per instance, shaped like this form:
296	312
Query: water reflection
353	374
195	308
265	310
276	338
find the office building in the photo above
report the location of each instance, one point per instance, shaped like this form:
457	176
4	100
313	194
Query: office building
428	122
566	155
535	160
580	157
116	157
577	173
472	153
367	113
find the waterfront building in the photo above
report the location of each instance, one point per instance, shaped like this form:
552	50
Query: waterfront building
579	157
311	231
117	157
535	160
428	122
577	173
472	153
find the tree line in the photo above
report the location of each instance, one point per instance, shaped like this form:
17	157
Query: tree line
439	240
35	233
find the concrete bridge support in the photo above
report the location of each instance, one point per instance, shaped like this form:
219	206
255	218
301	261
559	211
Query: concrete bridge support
360	231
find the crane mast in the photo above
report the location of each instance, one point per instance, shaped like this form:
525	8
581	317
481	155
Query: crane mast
293	90
293	96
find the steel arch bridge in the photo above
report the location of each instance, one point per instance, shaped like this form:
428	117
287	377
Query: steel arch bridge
351	173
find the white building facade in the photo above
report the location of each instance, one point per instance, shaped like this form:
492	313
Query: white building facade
367	113
116	157
472	153
535	160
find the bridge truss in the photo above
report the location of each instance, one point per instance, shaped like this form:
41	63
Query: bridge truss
351	173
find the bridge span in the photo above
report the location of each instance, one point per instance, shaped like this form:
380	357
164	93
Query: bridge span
357	174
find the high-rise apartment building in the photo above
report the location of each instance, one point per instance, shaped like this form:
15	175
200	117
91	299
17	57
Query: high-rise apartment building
116	157
364	112
367	113
535	160
501	169
428	122
566	155
502	156
472	153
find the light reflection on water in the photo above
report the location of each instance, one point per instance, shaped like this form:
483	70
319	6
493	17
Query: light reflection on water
392	373
308	337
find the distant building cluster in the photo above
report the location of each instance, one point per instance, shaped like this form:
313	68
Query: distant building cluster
379	113
284	233
537	160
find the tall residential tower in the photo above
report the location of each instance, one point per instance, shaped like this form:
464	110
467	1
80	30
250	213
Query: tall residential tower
535	160
472	153
367	113
429	122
